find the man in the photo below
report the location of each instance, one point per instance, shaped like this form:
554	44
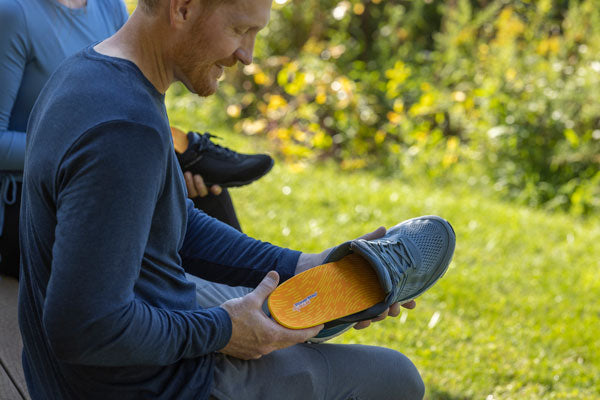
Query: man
105	308
32	46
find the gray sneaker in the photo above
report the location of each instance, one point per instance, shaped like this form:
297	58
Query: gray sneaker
408	260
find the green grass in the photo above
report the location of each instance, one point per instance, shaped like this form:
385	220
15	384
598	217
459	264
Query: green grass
518	316
517	312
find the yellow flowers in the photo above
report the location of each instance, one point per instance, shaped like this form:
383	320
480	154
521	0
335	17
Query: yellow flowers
549	46
424	105
509	26
451	154
396	76
353	163
262	79
394	117
321	98
276	102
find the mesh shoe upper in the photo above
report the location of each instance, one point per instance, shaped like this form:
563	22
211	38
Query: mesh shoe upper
435	240
408	260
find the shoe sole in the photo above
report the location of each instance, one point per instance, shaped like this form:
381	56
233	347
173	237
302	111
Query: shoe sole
322	339
337	289
325	293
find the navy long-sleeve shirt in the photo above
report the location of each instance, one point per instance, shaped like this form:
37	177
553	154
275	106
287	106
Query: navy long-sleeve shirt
106	232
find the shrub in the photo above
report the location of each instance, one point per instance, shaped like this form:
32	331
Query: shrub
507	87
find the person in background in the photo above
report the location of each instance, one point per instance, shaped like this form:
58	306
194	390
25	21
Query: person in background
35	37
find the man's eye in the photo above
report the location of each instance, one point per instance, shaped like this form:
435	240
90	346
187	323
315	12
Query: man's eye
241	31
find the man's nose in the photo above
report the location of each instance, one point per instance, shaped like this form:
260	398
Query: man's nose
245	52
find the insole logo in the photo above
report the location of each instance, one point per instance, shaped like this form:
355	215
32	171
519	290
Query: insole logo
304	302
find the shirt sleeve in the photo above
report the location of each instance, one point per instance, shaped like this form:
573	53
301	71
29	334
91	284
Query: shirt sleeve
217	252
13	52
106	190
123	15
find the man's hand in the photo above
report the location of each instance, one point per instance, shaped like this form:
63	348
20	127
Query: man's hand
196	187
307	261
393	311
253	333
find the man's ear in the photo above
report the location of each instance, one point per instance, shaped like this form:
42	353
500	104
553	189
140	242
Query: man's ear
181	11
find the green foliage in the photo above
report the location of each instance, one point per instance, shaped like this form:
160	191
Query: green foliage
506	89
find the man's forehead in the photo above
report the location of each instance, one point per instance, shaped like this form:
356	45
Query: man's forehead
251	13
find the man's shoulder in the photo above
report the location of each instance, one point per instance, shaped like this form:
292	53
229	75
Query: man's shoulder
97	88
117	78
89	91
11	14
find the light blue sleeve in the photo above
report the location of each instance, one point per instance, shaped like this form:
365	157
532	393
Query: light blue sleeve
123	14
13	53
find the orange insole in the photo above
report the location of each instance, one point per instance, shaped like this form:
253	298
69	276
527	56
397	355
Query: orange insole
180	140
325	293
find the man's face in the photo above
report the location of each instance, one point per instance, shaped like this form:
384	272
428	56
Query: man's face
218	40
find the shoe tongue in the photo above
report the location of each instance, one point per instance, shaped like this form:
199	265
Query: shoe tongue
338	252
195	140
362	248
373	256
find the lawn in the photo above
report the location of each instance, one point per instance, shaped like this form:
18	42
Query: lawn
515	317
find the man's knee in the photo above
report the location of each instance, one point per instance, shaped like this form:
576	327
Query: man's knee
401	376
413	384
371	372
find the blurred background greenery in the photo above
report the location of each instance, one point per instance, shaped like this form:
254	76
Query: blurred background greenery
494	91
485	112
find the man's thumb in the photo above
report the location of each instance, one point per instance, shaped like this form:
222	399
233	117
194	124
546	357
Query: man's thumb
267	285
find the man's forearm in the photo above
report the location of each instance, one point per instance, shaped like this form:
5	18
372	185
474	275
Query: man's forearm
219	253
308	260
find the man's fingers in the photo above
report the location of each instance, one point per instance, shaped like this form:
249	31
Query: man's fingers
362	324
266	286
410	305
394	310
200	186
376	234
311	332
216	190
302	335
196	187
189	183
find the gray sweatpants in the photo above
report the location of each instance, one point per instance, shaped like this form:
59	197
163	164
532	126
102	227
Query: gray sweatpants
310	371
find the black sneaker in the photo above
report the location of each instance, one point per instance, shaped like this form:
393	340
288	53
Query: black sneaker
219	165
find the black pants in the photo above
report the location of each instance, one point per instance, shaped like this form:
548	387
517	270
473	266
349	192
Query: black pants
220	207
9	239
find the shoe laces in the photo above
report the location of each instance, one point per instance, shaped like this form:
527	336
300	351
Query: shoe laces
204	143
396	258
